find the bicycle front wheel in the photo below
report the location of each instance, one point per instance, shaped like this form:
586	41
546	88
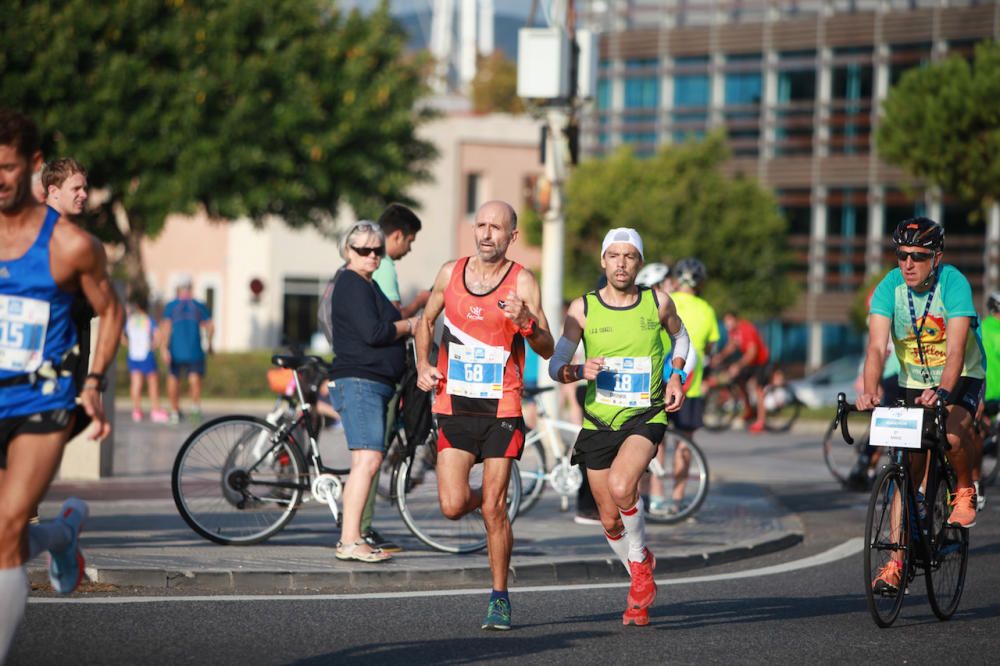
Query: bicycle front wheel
721	407
888	537
234	483
684	478
419	506
949	546
533	468
781	407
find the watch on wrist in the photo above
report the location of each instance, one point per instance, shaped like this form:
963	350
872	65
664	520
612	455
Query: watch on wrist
679	371
528	329
943	394
101	385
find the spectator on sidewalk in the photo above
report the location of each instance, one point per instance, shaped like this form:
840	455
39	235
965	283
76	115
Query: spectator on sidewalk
143	336
180	346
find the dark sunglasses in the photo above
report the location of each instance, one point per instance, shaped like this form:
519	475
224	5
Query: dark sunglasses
365	251
916	256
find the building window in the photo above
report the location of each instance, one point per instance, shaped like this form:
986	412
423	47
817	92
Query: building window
795	105
692	97
904	57
743	87
299	305
473	193
642	99
847	232
851	101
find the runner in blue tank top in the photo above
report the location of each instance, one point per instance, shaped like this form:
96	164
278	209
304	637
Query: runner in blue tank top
44	261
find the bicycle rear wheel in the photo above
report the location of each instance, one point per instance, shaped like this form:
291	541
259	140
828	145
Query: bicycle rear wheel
234	484
393	454
721	407
781	407
533	467
841	457
887	529
688	488
945	572
419	507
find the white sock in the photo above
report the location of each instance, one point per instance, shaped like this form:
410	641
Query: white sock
14	592
50	535
619	544
635	531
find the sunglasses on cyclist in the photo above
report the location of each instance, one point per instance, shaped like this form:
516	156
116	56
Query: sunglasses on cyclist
365	251
916	256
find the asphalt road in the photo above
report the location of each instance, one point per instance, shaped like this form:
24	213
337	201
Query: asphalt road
802	605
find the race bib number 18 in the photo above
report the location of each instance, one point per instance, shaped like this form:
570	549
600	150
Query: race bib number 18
624	381
475	372
23	322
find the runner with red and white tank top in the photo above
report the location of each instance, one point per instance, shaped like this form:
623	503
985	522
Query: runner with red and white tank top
491	306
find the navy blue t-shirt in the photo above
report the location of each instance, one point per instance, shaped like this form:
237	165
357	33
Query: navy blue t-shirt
364	334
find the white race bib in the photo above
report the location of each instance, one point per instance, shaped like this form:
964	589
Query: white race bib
475	371
899	427
624	381
23	322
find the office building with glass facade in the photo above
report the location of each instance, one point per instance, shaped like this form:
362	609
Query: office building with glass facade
797	86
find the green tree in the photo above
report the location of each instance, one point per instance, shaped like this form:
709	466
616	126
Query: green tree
242	108
942	124
683	204
494	88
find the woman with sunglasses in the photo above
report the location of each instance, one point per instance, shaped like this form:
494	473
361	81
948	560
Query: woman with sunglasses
369	360
926	306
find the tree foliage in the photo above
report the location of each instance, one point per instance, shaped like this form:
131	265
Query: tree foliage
243	108
942	124
494	88
682	204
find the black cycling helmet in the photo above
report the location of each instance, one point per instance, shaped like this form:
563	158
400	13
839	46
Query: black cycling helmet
919	232
690	271
993	302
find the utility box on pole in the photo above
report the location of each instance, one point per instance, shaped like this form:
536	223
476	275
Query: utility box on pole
543	63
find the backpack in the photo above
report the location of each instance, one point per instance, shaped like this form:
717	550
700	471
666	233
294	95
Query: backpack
325	312
414	407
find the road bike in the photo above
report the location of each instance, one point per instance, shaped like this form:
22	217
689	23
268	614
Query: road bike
238	480
545	461
723	404
913	526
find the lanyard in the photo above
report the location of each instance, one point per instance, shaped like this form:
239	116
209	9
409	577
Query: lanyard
924	372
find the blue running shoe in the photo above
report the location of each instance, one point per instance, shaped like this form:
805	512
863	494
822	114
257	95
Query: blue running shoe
66	565
497	616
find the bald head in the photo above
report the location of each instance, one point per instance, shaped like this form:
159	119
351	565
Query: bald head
495	229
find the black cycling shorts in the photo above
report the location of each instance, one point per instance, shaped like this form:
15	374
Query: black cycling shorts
42	423
966	394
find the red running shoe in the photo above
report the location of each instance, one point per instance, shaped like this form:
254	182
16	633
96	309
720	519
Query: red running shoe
643	589
637	616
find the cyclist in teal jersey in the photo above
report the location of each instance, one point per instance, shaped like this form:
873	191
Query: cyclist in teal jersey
927	308
624	421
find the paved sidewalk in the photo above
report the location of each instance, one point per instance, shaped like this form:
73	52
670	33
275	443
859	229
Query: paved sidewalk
135	537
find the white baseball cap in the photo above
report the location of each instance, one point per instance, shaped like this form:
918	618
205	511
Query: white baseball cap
622	235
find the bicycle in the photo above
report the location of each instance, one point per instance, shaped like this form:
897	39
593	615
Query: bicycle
723	404
238	480
900	522
546	442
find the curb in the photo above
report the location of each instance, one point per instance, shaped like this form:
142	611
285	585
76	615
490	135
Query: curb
279	582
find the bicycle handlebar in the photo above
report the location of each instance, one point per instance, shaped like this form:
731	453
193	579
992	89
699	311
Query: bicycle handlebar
844	408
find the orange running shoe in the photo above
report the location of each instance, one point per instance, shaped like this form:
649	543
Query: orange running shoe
756	427
887	581
963	512
637	616
643	589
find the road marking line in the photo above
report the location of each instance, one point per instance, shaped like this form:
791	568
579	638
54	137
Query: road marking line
846	549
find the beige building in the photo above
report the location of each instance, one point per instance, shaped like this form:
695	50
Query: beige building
481	157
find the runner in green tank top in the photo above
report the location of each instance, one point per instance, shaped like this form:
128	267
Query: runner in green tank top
624	419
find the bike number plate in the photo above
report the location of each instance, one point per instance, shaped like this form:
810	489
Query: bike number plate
897	427
624	381
23	322
475	371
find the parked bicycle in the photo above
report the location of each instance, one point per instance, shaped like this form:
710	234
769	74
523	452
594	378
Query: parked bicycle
238	480
723	404
909	529
546	461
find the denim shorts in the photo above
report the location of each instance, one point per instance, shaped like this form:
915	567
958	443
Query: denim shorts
362	405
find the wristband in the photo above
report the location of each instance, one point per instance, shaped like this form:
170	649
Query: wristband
528	329
679	371
943	394
102	383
